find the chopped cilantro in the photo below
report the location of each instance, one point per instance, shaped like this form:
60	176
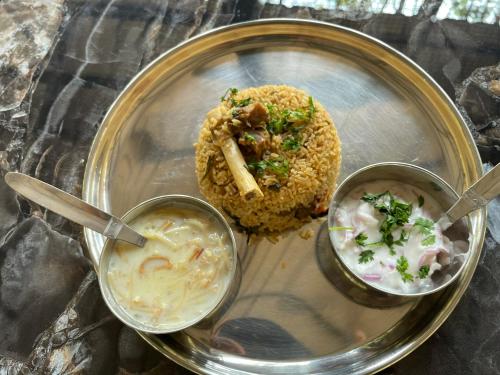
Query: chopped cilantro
424	225
312	108
420	201
229	93
423	272
361	239
372	198
240	103
366	256
430	240
249	138
402	267
375	244
277	166
289	119
276	123
298	115
333	229
257	167
291	143
396	214
403	237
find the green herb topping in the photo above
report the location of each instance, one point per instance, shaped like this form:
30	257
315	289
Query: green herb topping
396	214
423	272
312	108
277	166
249	138
240	103
424	226
291	143
402	267
403	237
366	256
228	95
361	239
428	241
281	122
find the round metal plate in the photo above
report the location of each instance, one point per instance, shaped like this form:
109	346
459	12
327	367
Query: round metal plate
293	314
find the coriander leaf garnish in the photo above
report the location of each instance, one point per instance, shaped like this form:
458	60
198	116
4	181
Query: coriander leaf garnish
276	123
361	239
366	256
291	143
312	108
298	115
229	93
277	166
420	201
424	225
334	229
240	103
402	267
430	240
249	138
396	214
375	244
423	272
288	119
372	198
257	167
403	237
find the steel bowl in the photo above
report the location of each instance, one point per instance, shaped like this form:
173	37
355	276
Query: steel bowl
177	201
421	178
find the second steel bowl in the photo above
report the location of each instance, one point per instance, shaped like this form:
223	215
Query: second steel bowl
421	178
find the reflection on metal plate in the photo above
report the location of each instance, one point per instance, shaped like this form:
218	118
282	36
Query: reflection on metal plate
293	313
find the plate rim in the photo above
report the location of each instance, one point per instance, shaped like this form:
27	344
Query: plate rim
448	306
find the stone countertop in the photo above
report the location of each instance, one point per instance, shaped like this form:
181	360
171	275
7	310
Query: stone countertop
62	63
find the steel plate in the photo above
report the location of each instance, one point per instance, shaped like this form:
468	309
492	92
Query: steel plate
293	312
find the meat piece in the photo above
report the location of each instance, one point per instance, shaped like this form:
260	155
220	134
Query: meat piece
302	212
253	115
254	142
320	205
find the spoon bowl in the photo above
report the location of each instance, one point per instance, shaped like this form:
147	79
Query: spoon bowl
429	182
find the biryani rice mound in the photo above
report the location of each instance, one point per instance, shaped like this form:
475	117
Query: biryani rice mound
312	169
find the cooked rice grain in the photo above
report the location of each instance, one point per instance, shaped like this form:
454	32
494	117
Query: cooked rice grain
313	169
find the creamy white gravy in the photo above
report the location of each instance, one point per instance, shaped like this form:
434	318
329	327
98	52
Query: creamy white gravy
179	275
404	267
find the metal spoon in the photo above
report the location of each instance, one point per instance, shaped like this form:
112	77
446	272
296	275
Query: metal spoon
72	208
477	196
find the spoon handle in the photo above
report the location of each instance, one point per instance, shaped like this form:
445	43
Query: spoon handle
478	195
72	208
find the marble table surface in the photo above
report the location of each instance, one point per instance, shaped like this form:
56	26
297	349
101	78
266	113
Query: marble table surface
62	63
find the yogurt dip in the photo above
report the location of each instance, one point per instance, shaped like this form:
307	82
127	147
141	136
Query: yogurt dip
391	234
181	273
